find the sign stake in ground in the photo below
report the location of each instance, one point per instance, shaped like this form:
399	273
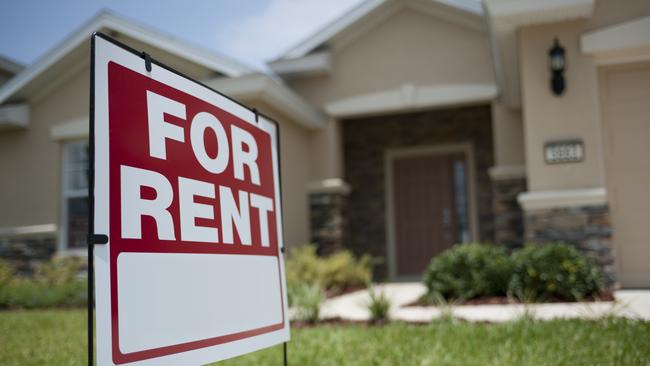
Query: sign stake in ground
185	226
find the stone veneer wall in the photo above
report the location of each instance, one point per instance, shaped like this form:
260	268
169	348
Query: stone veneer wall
25	253
365	142
508	215
328	224
588	228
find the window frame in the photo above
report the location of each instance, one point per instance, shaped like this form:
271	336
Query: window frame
67	194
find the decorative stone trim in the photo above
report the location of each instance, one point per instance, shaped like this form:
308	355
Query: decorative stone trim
562	199
331	185
500	172
44	229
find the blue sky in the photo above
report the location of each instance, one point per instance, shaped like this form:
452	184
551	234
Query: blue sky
249	30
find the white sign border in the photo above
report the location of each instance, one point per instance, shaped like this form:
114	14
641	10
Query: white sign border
105	51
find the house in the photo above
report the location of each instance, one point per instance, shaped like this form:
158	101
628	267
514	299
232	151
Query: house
406	126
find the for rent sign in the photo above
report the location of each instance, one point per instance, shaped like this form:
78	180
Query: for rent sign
187	190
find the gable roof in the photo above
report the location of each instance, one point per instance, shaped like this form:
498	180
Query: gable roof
75	46
464	12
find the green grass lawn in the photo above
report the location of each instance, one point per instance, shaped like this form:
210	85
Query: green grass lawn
57	337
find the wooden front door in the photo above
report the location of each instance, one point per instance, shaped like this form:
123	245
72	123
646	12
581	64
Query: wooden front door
429	208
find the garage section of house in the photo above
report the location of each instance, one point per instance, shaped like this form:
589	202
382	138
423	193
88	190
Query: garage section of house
625	101
407	126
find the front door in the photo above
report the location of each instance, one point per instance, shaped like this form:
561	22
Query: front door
430	208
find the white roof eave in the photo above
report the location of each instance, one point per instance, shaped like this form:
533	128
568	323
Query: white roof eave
109	21
262	87
410	97
333	28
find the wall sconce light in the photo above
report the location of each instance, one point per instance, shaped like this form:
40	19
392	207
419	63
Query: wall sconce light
557	64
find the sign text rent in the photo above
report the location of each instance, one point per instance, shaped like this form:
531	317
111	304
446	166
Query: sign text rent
147	193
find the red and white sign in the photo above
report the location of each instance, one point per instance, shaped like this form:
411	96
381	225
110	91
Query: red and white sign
187	190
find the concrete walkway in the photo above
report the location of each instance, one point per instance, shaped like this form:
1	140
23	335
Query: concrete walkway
629	303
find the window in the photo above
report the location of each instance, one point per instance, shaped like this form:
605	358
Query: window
461	199
75	195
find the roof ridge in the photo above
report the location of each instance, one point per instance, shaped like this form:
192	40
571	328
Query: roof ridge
360	11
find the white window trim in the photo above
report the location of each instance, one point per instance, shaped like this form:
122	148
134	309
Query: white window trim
62	245
71	130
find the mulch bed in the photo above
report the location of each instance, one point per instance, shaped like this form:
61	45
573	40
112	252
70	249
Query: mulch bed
329	321
606	296
348	290
342	322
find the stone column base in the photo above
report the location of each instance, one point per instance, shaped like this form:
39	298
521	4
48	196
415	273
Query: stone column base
25	253
508	215
588	228
328	204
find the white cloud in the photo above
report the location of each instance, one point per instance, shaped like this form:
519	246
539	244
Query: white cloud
265	35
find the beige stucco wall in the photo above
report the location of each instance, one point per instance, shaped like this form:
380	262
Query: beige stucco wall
572	115
576	114
507	130
327	152
409	47
30	188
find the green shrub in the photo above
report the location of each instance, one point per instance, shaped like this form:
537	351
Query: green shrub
28	294
59	270
333	273
303	265
306	300
6	272
342	270
468	271
378	305
554	271
54	284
